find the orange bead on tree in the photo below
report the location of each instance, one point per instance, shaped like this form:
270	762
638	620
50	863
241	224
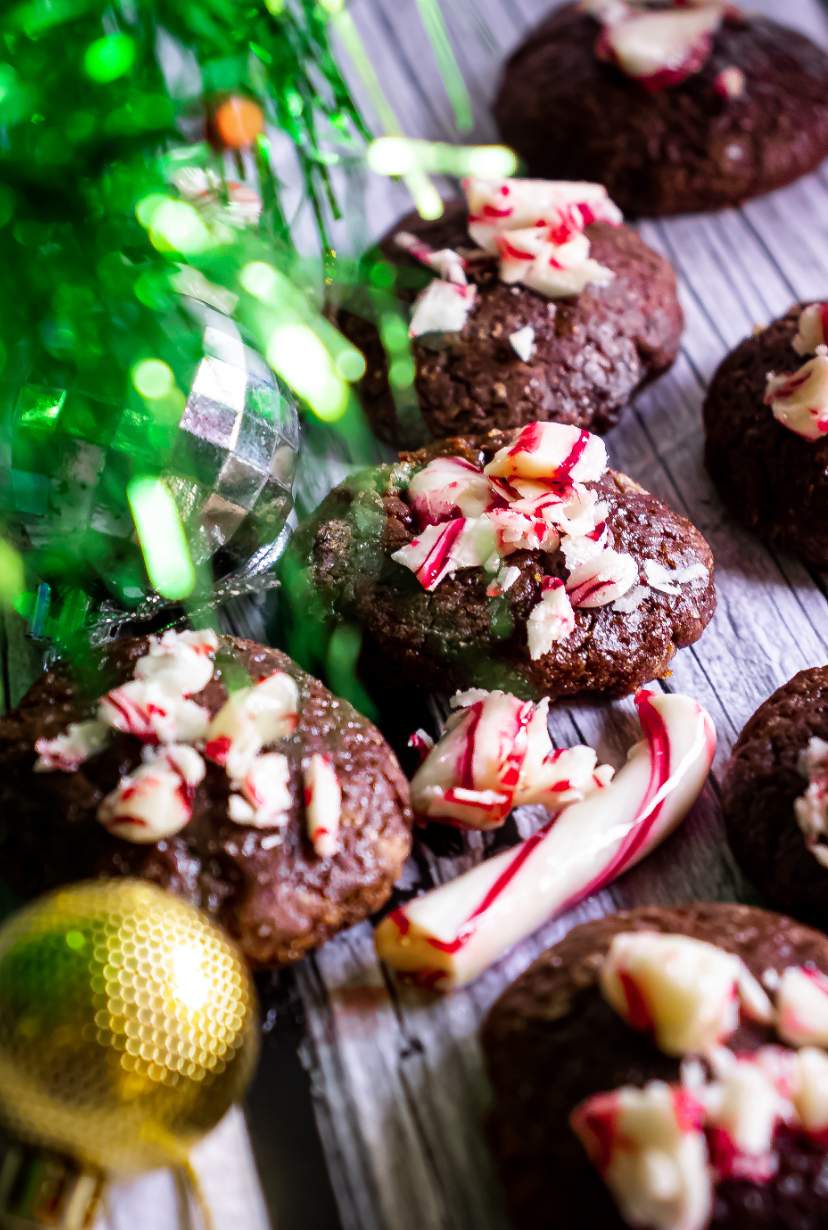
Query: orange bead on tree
237	122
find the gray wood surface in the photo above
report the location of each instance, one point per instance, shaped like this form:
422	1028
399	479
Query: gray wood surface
396	1075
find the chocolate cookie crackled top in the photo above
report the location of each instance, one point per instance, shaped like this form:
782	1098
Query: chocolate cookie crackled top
541	304
776	797
766	426
673	106
514	561
216	768
666	1068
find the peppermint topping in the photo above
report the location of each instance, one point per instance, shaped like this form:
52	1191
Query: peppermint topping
551	620
264	799
802	1006
250	719
323	804
180	662
153	713
531	496
495	754
68	751
662	48
442	307
688	994
649	1147
154	801
800	401
730	83
448	487
746	1102
813	329
811	808
446	263
522	342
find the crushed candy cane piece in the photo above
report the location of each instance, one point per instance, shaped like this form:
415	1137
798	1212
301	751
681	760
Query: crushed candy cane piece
802	1006
155	801
251	719
813	329
149	711
446	263
441	550
670	580
323	804
448	487
649	1147
495	754
631	601
503	582
730	83
498	206
744	1105
554	452
264	798
442	307
810	1091
661	49
181	662
66	752
685	992
602	580
800	401
522	342
552	619
811	808
515	532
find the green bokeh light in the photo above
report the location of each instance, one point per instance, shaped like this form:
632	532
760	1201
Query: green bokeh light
109	58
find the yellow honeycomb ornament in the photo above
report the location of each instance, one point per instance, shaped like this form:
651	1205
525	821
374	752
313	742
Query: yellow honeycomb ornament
127	1025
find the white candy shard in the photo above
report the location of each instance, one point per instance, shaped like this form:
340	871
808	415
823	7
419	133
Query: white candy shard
813	329
744	1104
670	580
451	934
153	713
555	270
730	83
811	809
503	582
446	263
554	452
800	401
602	579
441	550
631	601
65	753
802	1006
550	620
685	992
323	804
495	754
810	1092
448	487
179	662
155	800
522	342
264	799
251	719
649	1147
441	307
662	49
498	206
515	532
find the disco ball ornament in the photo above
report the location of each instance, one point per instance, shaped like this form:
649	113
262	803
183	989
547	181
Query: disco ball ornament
226	453
128	1026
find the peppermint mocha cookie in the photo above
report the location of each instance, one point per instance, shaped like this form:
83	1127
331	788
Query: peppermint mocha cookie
766	423
665	1068
515	561
776	797
536	303
217	769
674	107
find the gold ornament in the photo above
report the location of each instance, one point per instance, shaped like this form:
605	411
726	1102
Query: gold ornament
127	1025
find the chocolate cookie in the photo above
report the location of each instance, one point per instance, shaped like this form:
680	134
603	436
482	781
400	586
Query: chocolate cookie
753	117
588	356
772	480
773	806
479	627
231	817
553	1040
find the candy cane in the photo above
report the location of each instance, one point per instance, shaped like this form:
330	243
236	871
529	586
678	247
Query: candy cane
448	936
446	263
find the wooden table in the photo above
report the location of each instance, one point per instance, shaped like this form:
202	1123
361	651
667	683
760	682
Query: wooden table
366	1112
